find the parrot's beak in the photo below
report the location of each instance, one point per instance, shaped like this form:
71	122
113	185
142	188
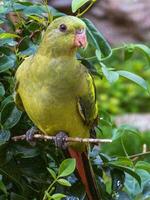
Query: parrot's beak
80	38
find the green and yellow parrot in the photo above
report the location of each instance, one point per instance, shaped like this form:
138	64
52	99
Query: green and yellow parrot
55	89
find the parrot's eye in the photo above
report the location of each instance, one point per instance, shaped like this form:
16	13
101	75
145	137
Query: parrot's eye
62	27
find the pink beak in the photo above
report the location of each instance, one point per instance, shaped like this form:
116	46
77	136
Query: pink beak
80	39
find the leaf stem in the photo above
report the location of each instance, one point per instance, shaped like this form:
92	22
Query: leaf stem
124	149
49	188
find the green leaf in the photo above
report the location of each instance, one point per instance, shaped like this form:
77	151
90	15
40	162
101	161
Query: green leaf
58	196
8	35
122	161
67	167
2	90
143	165
135	78
76	4
6	62
98	54
14	196
38	19
143	48
63	182
132	187
4	136
110	75
123	165
2	186
27	47
10	115
96	39
53	174
123	130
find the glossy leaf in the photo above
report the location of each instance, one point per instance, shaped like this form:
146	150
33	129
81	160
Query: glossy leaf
96	39
4	136
27	47
53	174
6	62
111	76
67	167
10	115
64	182
8	35
135	78
2	90
127	170
143	165
143	48
58	196
76	4
2	186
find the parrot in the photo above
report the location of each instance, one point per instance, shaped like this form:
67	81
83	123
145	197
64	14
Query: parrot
58	92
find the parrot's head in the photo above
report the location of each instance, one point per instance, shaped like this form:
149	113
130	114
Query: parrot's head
65	34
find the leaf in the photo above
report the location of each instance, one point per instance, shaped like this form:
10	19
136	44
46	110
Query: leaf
145	49
27	47
124	129
2	186
10	115
38	19
96	39
14	196
53	174
58	196
143	165
4	136
98	54
125	168
8	35
122	161
67	167
135	78
132	187
2	90
110	75
6	62
76	4
63	182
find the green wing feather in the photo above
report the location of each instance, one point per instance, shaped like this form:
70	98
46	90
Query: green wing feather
87	105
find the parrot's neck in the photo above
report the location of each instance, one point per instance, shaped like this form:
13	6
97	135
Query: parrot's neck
53	51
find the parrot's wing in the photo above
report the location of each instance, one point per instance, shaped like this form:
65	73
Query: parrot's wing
87	105
19	74
17	98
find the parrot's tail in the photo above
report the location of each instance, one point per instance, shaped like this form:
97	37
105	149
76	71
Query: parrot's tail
86	174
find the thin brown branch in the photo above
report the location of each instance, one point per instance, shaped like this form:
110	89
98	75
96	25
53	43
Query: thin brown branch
68	139
139	154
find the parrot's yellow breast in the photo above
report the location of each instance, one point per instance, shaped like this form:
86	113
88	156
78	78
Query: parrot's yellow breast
49	93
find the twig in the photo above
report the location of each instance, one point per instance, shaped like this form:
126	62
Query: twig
68	139
139	154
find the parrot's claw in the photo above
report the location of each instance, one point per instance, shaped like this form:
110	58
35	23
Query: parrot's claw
30	135
60	140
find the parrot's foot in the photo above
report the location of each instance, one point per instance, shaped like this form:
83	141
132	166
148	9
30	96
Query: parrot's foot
30	135
60	140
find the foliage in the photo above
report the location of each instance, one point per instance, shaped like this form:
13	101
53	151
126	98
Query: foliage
35	172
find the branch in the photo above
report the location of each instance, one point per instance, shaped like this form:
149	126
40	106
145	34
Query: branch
139	154
68	139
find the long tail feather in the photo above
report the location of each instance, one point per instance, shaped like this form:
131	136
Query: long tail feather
86	174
